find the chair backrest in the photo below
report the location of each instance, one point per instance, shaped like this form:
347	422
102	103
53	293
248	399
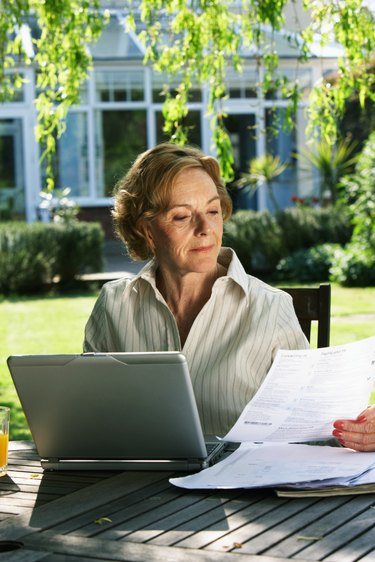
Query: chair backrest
313	304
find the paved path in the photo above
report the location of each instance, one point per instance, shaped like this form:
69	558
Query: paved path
356	318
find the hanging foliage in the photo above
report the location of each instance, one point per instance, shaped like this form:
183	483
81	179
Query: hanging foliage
196	41
59	52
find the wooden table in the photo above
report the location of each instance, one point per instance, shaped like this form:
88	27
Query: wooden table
140	517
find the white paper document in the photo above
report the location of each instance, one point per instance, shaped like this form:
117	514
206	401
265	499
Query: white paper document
302	395
305	391
280	464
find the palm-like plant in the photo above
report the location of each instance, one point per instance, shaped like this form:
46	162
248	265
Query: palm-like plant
332	163
263	169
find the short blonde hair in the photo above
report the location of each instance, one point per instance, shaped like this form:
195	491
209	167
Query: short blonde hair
144	192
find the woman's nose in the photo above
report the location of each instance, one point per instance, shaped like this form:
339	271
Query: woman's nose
203	225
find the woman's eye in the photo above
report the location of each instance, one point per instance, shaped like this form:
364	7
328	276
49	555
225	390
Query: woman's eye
213	212
180	218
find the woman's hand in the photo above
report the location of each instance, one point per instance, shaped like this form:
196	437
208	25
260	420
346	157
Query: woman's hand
357	434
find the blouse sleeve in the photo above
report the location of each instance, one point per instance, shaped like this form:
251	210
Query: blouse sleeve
290	334
96	328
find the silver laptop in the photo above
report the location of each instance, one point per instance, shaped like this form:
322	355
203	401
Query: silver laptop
115	411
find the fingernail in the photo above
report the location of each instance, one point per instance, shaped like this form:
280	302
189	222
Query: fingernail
337	433
338	425
361	419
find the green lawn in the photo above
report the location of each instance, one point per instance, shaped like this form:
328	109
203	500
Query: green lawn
353	314
45	324
55	324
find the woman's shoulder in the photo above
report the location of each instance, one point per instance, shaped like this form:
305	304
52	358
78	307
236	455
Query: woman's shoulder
117	286
257	284
267	297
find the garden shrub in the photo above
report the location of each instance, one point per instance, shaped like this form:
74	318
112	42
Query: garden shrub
304	227
261	239
32	255
256	239
24	263
309	264
79	249
354	267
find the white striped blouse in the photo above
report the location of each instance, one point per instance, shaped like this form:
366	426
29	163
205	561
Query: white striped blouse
231	344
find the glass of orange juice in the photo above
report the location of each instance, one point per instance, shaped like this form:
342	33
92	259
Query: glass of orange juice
4	438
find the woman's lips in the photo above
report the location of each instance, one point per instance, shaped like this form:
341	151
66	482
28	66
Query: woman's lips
203	249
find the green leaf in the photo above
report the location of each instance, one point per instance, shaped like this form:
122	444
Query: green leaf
102	520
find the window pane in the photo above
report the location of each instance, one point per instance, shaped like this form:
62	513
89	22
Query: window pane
73	170
119	85
162	83
282	143
242	85
71	158
119	137
193	123
7	157
241	129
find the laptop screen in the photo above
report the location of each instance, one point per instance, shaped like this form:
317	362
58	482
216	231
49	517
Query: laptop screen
109	405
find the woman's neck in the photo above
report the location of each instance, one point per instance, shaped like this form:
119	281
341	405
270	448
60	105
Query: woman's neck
186	295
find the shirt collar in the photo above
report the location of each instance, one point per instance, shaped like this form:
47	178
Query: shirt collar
227	258
147	273
235	270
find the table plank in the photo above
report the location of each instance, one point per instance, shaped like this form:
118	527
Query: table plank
27	486
65	507
342	526
25	555
304	525
207	527
294	526
123	508
278	513
142	527
363	546
57	518
133	552
174	527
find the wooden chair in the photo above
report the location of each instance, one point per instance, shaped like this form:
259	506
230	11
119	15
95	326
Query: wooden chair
313	304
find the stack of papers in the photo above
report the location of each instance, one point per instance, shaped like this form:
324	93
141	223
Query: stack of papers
302	395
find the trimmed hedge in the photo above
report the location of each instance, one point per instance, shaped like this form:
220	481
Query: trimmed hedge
256	238
304	227
32	255
309	264
261	239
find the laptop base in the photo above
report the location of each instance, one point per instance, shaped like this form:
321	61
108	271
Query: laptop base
122	465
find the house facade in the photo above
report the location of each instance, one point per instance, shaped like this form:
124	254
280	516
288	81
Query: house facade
120	115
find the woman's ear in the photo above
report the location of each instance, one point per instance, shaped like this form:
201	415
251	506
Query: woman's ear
149	238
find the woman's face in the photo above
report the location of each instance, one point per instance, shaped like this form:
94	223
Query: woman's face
187	236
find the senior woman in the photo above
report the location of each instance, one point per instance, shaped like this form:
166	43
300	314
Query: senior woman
193	295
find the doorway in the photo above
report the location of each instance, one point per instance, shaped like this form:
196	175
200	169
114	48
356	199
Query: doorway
12	180
241	128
